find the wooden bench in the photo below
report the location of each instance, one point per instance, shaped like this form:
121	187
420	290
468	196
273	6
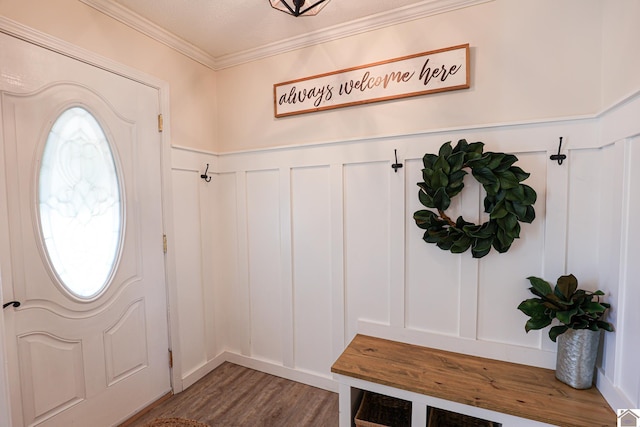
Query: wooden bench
503	392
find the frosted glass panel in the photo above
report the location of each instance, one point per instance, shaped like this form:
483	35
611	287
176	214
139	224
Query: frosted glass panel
79	202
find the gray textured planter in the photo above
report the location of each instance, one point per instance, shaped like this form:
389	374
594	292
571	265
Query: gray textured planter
576	357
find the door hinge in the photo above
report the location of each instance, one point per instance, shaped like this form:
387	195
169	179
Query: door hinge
160	123
170	358
164	243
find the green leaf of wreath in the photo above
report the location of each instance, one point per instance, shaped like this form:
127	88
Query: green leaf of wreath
508	202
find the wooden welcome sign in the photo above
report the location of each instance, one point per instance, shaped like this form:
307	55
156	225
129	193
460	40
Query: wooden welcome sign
428	72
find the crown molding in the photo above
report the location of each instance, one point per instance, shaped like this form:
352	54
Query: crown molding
148	28
370	23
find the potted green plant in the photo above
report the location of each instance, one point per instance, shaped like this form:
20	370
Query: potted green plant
580	317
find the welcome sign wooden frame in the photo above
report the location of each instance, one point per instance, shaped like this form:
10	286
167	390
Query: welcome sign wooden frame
423	73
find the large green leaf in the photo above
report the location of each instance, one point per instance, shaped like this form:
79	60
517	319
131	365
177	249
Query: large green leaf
540	285
530	195
482	245
478	162
445	150
484	176
427	173
509	223
565	316
431	236
557	330
604	325
532	307
428	160
462	145
424	218
508	180
594	307
424	187
446	243
505	164
461	245
519	173
567	286
517	208
504	238
441	199
475	147
456	161
529	216
537	323
426	199
499	211
516	194
478	252
439	179
494	160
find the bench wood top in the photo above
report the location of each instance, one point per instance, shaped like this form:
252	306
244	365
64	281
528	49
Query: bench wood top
524	391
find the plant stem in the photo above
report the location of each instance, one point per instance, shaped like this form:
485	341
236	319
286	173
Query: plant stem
445	217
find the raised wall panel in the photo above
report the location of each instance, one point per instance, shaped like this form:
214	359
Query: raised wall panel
502	282
233	302
585	184
311	235
263	230
188	255
628	312
366	242
432	293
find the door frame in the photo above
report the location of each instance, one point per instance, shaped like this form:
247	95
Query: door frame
38	38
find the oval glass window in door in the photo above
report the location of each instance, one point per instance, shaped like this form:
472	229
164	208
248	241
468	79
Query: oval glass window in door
79	200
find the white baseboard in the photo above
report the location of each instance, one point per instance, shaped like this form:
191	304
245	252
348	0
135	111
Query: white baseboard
612	394
303	377
267	367
194	376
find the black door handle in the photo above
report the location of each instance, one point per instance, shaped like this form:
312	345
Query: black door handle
13	303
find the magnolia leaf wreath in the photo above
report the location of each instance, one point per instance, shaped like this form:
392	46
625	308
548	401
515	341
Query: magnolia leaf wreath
507	201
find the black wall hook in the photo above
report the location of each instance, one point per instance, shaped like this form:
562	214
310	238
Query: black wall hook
396	165
559	157
16	304
204	176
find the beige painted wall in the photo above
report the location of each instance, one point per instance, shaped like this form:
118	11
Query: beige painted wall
193	101
531	60
620	59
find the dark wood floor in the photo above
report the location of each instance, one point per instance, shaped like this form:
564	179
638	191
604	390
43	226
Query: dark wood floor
233	395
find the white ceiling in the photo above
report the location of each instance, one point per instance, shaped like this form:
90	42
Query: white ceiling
222	33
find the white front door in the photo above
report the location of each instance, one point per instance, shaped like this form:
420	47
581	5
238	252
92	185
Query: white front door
80	240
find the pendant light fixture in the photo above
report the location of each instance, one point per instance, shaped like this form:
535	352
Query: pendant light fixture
299	7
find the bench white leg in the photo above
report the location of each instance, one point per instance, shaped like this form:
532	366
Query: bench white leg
418	414
345	405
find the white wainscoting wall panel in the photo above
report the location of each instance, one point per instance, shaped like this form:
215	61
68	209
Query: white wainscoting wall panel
308	246
311	259
626	365
189	268
199	307
266	284
366	243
